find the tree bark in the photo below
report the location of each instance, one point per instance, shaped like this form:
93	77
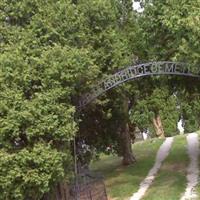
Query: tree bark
124	133
60	192
127	153
158	126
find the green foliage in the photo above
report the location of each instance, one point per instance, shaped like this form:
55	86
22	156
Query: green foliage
111	31
27	174
42	65
191	113
169	30
51	52
159	102
105	35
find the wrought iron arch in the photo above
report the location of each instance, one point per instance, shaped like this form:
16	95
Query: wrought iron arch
137	71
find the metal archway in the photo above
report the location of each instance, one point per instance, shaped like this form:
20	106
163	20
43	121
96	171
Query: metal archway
137	71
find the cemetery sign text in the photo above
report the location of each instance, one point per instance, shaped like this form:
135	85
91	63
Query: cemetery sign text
132	72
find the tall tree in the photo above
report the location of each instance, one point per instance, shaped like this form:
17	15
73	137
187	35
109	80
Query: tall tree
157	111
169	31
108	24
42	62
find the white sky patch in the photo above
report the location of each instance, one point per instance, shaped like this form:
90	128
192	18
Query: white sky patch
137	7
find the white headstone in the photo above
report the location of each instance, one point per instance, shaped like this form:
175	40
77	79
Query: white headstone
144	135
180	126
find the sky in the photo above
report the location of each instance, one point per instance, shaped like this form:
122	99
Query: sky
136	6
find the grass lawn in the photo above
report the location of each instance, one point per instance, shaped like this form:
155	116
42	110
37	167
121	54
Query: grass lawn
122	181
170	183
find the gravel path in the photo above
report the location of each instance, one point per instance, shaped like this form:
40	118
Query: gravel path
160	157
193	168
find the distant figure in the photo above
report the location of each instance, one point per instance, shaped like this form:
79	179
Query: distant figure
180	126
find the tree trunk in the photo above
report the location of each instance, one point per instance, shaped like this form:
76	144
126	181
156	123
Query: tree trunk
124	133
60	192
127	153
158	126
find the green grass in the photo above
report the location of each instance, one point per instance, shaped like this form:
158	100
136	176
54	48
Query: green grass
122	181
170	182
